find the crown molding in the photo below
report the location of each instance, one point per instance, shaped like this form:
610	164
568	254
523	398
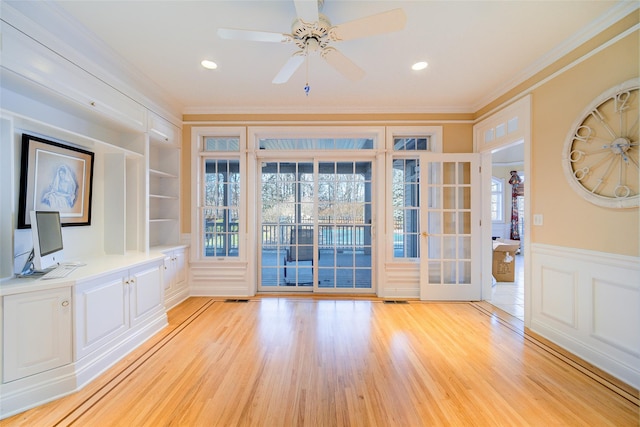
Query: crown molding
327	110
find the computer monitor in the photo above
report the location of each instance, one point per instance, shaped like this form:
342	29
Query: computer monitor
47	239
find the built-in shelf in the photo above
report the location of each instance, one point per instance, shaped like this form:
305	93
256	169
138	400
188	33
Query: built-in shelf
161	174
162	196
164	183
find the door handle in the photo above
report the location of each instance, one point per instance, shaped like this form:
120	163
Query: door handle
424	234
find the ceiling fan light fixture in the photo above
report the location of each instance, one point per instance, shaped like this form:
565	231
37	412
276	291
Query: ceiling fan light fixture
312	32
419	66
208	64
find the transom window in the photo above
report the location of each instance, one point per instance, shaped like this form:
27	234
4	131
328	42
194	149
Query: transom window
411	144
221	144
316	144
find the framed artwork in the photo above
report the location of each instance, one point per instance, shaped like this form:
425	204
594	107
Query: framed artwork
55	177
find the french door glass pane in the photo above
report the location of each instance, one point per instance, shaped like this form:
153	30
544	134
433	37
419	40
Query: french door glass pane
449	227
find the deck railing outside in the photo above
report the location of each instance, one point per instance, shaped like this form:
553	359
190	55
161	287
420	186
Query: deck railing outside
330	235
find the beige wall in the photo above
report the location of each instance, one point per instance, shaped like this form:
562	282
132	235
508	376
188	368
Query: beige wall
569	220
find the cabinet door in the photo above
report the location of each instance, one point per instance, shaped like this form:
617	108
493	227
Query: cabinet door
146	292
102	312
36	331
180	277
168	277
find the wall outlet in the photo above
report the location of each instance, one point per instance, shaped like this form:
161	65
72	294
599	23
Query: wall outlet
538	219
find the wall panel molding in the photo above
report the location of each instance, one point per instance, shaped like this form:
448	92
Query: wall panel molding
589	303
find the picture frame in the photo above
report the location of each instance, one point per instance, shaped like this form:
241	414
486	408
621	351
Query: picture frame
55	177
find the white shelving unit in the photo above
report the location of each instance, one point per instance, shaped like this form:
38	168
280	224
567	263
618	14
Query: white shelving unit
120	297
164	183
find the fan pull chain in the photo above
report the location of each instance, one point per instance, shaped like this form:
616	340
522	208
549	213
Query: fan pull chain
307	88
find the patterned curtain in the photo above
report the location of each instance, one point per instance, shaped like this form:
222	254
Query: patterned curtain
517	189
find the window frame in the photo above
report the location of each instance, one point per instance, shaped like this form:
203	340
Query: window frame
434	136
198	162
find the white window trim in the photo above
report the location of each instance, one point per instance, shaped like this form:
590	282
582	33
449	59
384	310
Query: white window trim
197	160
434	133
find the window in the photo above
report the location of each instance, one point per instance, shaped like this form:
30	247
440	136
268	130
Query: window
497	199
219	195
406	208
316	144
411	144
407	147
221	211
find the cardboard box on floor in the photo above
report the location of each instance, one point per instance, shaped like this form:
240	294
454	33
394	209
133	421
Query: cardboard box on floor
504	259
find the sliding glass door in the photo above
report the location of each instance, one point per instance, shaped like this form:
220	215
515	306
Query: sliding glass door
315	226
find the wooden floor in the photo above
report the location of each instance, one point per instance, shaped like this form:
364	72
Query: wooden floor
295	361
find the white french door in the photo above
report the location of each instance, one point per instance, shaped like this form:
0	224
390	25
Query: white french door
449	227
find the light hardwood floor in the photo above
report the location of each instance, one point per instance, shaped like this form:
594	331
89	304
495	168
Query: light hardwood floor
298	361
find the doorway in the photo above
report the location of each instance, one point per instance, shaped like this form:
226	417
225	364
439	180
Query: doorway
315	226
508	186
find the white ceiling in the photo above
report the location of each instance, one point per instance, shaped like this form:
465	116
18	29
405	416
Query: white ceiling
476	50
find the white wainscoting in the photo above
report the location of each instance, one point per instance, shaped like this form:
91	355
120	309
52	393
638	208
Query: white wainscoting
224	279
400	280
589	303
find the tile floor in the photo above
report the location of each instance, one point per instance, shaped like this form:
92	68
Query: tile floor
509	296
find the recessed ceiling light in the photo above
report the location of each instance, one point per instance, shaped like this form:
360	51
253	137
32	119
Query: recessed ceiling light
210	65
419	66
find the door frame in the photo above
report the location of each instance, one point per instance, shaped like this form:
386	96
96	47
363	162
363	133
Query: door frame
500	129
256	156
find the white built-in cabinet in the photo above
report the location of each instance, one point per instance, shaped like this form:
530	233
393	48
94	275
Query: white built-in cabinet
59	335
109	306
138	147
176	287
36	332
25	56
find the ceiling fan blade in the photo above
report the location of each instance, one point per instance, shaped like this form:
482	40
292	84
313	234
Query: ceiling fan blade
307	10
289	68
251	35
385	22
343	64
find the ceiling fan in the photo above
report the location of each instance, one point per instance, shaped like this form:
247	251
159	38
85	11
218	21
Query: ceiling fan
312	32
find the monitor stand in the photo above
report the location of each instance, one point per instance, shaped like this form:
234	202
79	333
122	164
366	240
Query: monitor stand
29	269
